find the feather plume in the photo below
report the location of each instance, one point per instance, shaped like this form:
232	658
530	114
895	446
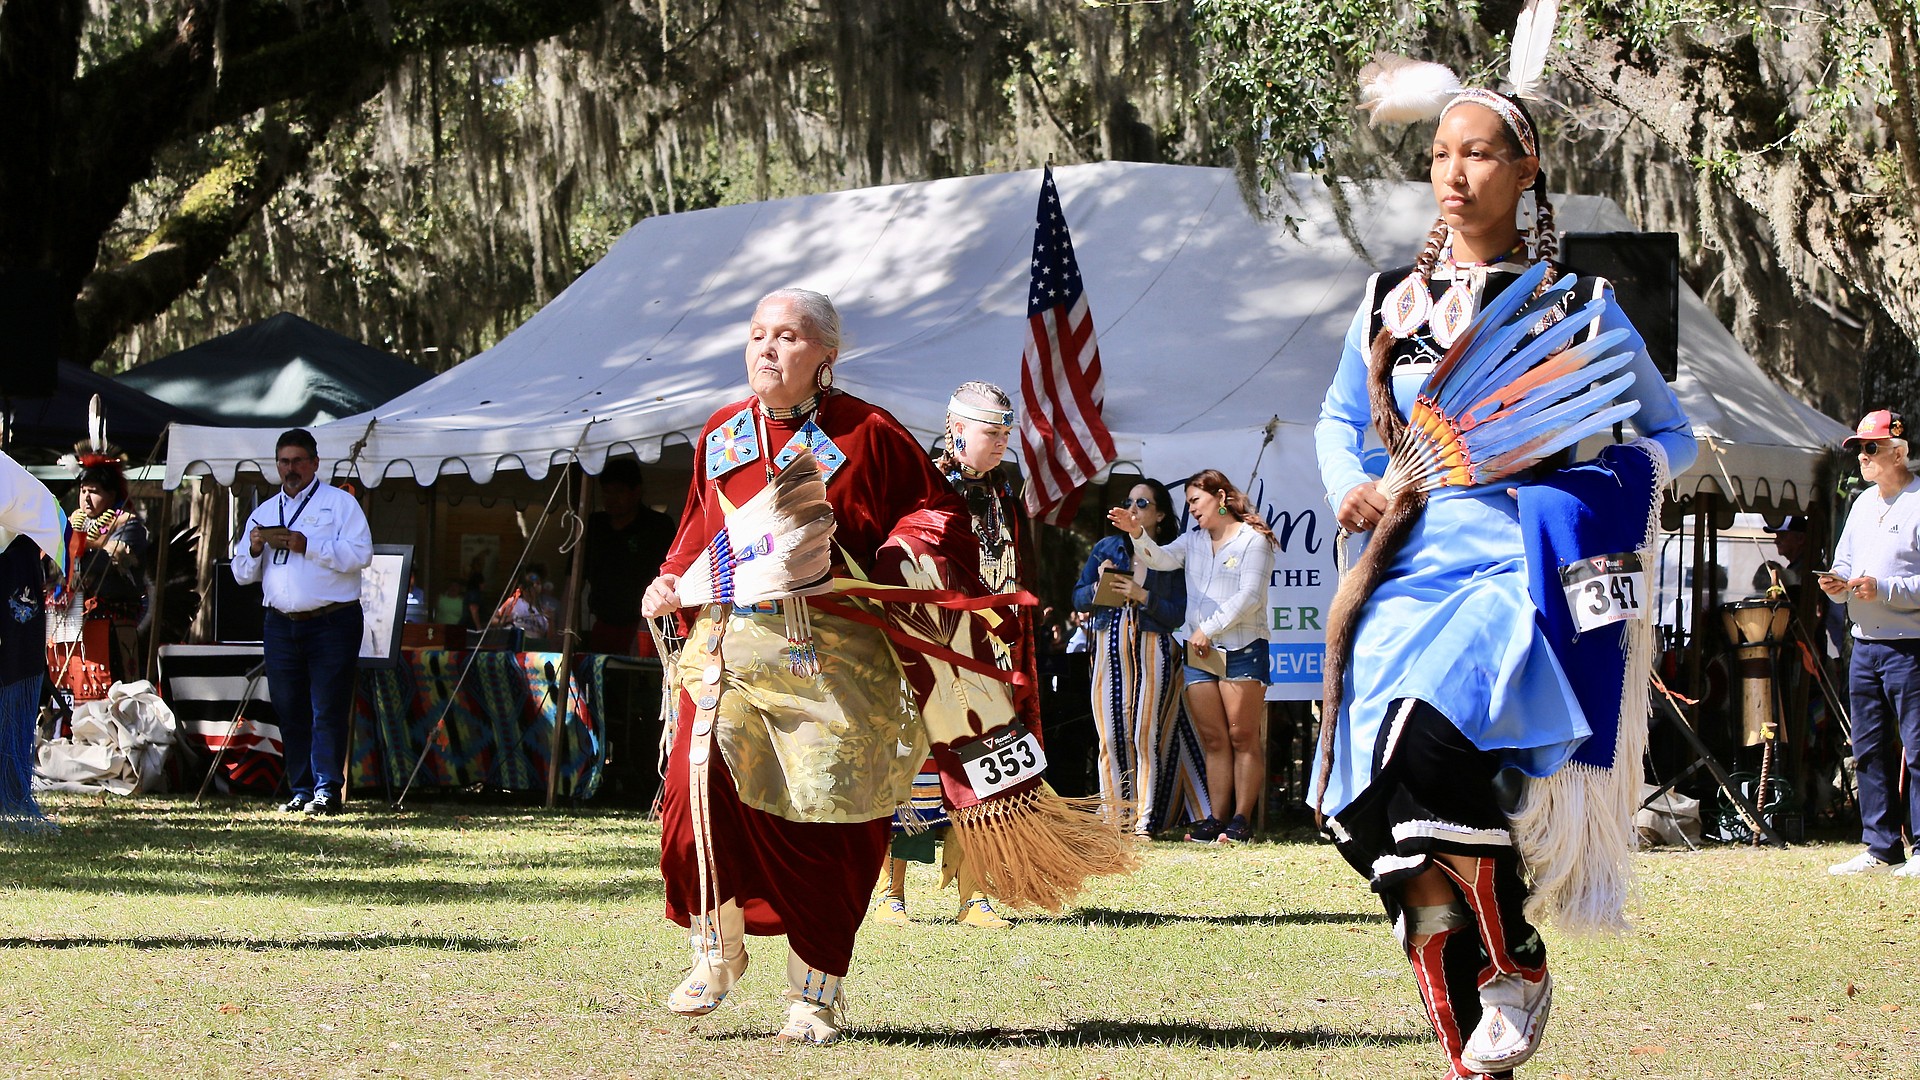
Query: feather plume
1532	38
96	426
775	545
1399	90
1510	393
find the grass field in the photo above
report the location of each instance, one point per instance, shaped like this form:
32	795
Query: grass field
151	939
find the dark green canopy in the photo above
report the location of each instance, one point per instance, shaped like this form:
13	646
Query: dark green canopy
283	372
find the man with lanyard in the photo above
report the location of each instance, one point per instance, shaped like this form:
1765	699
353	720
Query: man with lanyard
307	546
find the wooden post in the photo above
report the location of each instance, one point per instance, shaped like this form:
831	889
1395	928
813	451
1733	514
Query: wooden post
569	624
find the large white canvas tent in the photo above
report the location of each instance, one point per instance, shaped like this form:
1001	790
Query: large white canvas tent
1211	325
1218	332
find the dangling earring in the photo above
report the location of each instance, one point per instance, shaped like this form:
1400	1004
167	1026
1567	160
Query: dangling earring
958	443
1526	218
1223	511
823	377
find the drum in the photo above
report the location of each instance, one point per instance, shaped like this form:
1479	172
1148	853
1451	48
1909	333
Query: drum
1755	627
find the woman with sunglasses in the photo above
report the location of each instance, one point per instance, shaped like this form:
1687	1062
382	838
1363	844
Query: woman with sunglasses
1227	560
1149	755
1876	573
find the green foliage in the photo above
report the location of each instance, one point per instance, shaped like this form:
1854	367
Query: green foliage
1282	75
481	181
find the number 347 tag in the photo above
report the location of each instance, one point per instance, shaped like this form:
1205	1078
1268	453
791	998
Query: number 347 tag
1002	760
1605	589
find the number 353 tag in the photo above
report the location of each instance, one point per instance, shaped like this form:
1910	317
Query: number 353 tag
1605	589
1002	760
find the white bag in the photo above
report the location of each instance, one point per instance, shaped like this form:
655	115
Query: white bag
1670	819
119	744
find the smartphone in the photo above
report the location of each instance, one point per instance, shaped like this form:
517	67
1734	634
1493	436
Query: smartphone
1828	574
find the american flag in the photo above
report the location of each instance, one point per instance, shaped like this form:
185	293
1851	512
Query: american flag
1063	440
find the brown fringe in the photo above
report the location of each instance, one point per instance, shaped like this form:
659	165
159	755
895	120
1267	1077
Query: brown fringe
1389	536
1038	850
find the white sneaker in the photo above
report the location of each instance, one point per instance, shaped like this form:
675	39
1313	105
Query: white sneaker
1910	868
1513	1011
1864	863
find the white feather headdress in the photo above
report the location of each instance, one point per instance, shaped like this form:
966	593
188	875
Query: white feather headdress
1399	90
1532	37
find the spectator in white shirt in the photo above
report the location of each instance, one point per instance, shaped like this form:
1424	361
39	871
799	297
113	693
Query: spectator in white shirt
1228	560
306	547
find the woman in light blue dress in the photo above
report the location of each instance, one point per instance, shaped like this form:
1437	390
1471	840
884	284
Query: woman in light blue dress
1453	692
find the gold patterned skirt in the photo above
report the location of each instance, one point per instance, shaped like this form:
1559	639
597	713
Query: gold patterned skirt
842	746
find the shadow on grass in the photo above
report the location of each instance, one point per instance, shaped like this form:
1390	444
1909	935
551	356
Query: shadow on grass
160	849
319	942
1112	1033
1112	917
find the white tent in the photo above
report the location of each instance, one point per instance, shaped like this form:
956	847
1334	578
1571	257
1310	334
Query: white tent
1211	325
1218	334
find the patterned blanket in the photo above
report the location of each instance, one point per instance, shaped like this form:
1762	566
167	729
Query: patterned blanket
498	728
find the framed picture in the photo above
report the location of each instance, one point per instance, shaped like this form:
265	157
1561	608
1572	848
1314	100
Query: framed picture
383	600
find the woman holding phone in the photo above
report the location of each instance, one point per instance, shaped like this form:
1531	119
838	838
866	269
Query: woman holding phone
1149	756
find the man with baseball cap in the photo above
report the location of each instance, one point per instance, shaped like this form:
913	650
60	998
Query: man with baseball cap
1876	572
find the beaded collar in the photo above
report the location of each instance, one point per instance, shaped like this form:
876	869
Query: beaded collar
794	413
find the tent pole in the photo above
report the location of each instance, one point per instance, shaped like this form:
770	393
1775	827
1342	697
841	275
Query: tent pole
157	610
569	633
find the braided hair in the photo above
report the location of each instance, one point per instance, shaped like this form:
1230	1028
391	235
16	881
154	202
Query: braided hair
1391	532
1542	240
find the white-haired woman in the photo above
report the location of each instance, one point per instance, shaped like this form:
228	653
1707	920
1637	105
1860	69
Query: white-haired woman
980	421
782	779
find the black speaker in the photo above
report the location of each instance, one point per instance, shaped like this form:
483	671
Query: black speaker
1645	271
237	609
32	312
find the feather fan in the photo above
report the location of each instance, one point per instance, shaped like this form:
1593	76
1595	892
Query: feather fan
1511	393
1399	90
777	544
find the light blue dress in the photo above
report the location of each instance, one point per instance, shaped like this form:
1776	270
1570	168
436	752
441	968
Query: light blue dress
1452	624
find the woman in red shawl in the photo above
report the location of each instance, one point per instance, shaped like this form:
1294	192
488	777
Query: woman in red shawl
784	828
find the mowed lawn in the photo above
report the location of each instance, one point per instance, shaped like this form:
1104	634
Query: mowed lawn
152	939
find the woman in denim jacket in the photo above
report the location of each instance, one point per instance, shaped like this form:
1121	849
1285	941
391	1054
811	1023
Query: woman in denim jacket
1149	757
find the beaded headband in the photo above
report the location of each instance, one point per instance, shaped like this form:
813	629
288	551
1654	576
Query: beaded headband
982	413
1505	109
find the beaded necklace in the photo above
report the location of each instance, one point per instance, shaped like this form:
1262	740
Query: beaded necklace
762	412
983	493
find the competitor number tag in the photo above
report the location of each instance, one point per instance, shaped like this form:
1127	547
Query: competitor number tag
1605	589
1002	760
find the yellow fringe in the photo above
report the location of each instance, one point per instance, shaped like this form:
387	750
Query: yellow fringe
1038	850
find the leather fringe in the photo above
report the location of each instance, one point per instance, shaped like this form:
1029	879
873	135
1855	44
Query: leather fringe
1038	850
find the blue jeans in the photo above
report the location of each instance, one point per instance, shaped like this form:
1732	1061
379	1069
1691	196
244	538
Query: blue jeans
1252	663
1884	685
310	676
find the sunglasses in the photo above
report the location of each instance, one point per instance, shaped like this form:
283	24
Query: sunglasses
1137	504
1868	449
